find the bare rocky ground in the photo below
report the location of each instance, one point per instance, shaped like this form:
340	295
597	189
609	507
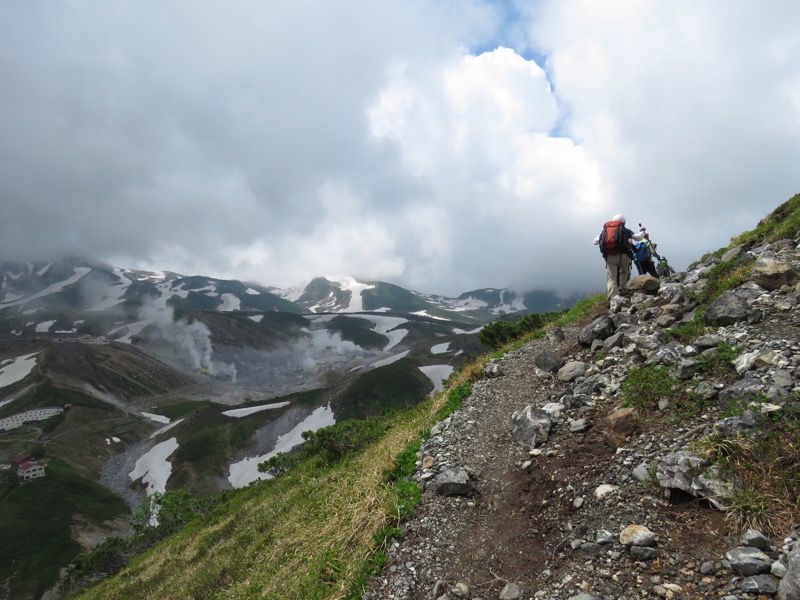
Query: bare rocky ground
536	524
518	526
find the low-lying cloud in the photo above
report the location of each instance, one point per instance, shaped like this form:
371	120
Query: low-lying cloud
444	146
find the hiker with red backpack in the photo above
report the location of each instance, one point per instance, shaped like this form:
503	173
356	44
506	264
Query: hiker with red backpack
615	246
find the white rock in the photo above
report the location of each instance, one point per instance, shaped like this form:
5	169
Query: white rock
604	490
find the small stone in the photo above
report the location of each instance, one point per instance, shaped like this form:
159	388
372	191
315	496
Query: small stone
643	553
637	535
760	584
512	591
604	490
579	425
708	568
605	537
748	561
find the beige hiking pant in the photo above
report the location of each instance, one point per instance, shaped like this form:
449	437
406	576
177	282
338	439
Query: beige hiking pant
618	268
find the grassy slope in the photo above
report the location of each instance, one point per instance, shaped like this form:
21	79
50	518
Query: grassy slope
781	223
308	534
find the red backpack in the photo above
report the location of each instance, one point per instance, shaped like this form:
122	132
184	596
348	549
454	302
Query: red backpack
612	238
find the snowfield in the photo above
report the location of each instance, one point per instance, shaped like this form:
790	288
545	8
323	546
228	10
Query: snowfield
153	468
77	273
388	361
243	412
387	326
17	370
114	293
156	418
245	471
437	374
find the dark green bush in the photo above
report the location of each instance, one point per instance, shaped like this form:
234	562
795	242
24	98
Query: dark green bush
335	442
279	464
501	332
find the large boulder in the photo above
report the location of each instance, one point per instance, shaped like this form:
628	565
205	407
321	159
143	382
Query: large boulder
772	274
748	561
643	283
599	329
454	482
727	309
572	370
679	470
620	424
789	587
549	361
531	426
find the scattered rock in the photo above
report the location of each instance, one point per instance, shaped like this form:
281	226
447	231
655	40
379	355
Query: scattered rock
549	361
453	482
531	426
748	561
572	370
637	535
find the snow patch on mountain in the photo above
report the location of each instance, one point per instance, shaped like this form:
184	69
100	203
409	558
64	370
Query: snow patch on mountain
113	294
154	417
387	326
245	471
458	331
355	288
440	348
437	374
243	412
388	361
292	294
230	303
517	305
17	370
153	468
424	313
44	326
77	274
158	432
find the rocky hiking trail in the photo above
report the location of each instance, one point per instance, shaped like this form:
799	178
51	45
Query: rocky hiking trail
595	506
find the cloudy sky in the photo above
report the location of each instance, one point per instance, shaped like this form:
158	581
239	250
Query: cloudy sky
444	145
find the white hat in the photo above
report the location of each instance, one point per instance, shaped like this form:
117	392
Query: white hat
618	218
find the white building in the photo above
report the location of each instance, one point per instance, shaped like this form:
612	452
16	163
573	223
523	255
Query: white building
27	468
36	414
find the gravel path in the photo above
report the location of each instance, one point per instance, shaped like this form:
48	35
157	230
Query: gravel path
535	526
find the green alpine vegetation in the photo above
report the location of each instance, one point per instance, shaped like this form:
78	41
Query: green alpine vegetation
34	547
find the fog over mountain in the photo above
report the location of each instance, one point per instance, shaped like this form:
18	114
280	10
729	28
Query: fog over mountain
441	146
